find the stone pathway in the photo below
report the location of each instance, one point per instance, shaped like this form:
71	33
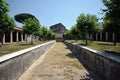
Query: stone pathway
58	64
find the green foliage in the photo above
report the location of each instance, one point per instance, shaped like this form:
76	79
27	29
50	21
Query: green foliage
23	16
112	17
73	33
87	23
31	26
3	8
45	33
6	23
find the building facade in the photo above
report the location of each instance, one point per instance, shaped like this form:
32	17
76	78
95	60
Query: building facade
59	30
16	35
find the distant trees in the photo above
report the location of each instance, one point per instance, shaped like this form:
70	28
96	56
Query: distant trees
112	17
73	33
87	24
45	33
32	26
7	23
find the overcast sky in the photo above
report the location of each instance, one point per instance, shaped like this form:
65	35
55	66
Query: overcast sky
50	12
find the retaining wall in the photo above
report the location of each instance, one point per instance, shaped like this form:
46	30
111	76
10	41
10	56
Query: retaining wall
13	65
105	64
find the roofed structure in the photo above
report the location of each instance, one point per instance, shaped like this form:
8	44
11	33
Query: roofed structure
59	29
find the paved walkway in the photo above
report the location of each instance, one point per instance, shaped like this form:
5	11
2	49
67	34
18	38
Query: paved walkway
57	64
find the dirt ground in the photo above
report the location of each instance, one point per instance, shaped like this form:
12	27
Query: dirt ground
58	64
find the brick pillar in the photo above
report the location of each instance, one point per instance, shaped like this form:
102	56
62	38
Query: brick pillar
11	36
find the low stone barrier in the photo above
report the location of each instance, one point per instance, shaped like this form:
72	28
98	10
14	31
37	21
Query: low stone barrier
107	65
13	65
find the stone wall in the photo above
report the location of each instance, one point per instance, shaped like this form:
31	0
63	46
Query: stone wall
13	65
107	65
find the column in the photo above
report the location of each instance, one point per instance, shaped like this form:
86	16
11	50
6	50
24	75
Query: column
106	36
16	36
11	36
113	36
3	38
100	36
21	37
26	37
96	36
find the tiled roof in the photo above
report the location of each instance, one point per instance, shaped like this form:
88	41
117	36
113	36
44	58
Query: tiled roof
18	28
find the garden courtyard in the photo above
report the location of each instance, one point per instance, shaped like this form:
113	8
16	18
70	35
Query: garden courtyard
59	64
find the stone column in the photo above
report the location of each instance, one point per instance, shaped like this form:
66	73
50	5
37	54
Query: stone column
11	36
3	38
16	36
21	37
26	37
106	36
113	36
100	36
96	36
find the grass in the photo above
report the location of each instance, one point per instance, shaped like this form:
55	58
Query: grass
77	65
42	75
9	48
100	46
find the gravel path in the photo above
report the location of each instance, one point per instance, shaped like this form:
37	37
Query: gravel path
57	64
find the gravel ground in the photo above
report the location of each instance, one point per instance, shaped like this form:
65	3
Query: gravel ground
58	63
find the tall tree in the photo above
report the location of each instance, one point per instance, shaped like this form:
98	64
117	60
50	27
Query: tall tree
31	26
112	16
6	22
87	24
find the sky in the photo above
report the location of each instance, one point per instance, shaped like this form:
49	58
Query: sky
50	12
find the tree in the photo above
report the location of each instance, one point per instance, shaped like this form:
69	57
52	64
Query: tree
86	24
45	33
75	33
7	23
23	16
31	26
112	17
68	35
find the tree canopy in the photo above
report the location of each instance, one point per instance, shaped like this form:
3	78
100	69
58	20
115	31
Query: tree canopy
7	23
45	33
31	26
23	16
87	24
112	16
